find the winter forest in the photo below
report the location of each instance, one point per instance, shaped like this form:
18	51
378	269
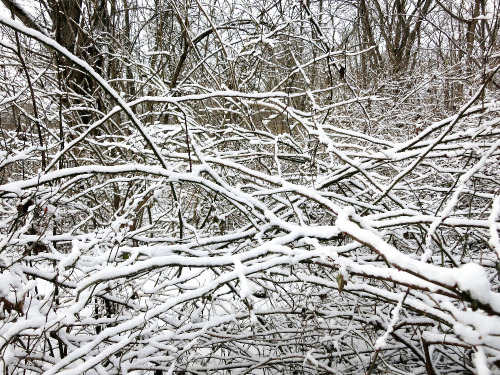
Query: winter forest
249	187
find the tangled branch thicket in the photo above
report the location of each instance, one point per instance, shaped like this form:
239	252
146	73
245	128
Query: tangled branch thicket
249	187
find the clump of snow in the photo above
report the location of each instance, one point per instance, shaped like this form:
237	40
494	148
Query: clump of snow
50	209
494	241
11	289
245	290
480	362
9	355
71	258
473	279
381	341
